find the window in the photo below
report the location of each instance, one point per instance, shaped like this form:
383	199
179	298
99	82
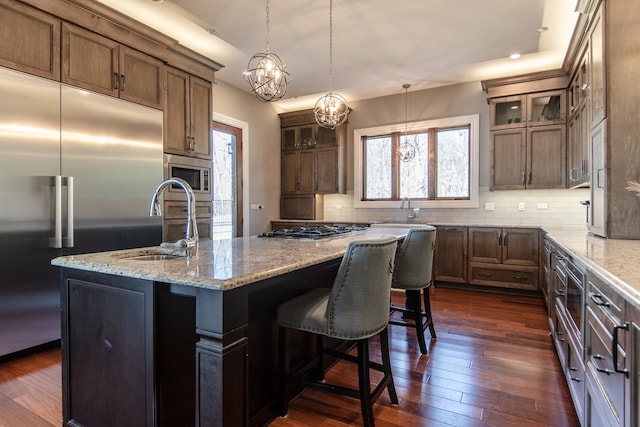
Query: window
444	172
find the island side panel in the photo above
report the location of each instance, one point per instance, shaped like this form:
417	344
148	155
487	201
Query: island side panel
221	357
107	350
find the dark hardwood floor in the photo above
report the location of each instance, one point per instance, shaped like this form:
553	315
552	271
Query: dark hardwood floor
493	364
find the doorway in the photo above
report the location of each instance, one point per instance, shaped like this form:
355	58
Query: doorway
227	181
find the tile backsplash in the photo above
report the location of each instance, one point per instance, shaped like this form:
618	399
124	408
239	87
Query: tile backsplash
562	208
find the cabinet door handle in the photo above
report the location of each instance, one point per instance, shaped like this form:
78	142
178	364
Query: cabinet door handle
116	81
559	293
559	336
124	82
598	184
505	237
597	357
614	348
599	300
499	239
523	178
530	176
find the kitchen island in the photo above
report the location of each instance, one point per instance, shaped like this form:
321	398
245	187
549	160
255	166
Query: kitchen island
150	339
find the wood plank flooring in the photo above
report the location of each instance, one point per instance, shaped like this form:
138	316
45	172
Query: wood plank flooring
493	364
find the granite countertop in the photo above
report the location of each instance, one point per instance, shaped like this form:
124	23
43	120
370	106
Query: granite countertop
225	264
615	260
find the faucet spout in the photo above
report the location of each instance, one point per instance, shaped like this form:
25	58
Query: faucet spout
411	213
191	240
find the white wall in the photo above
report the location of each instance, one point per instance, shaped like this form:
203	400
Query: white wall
261	145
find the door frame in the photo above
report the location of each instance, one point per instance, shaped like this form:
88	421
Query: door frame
243	179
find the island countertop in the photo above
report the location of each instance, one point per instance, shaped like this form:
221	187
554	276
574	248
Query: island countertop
225	264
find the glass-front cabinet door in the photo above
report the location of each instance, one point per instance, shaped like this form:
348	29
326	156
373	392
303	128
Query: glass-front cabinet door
546	108
508	112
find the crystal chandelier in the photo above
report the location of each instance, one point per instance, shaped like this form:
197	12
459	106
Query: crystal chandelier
407	148
266	73
331	110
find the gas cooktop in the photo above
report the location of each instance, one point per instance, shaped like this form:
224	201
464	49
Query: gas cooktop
316	232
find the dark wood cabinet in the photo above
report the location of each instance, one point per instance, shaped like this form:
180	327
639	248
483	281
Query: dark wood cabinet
102	65
29	40
451	254
312	163
175	220
108	344
187	115
504	257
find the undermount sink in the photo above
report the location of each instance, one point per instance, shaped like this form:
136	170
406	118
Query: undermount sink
151	254
157	257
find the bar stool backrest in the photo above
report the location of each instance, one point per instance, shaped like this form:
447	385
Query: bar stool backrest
358	305
414	261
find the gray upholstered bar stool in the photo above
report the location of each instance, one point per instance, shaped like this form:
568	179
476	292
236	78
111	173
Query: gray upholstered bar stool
414	264
354	309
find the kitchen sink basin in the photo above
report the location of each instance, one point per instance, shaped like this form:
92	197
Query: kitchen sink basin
156	257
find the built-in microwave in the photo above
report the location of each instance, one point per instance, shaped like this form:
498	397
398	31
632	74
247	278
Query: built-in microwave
197	172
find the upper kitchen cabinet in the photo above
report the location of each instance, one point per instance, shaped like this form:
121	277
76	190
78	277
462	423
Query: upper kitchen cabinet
326	171
597	67
187	115
102	65
528	131
29	40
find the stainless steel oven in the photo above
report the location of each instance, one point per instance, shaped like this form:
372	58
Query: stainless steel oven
197	172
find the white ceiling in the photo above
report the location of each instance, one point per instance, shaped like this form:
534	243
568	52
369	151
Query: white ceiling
378	45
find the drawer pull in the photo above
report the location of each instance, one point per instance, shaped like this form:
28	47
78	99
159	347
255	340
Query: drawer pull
559	293
594	359
599	300
485	274
519	277
559	336
614	348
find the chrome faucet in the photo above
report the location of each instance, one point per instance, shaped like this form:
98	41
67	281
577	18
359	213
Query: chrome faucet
191	240
411	213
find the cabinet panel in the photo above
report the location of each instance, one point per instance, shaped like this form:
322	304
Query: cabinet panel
29	41
306	171
508	112
303	206
142	78
200	108
485	245
326	162
520	246
546	157
501	275
546	108
597	87
598	206
508	159
176	115
187	115
89	61
289	166
109	339
451	254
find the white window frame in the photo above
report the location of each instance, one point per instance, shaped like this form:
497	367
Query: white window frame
474	144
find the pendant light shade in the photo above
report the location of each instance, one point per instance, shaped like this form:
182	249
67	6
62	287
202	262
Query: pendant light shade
266	73
331	110
407	147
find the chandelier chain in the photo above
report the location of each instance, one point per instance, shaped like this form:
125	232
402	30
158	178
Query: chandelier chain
330	46
266	38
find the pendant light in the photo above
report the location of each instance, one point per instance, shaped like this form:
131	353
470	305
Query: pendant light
266	73
407	148
331	110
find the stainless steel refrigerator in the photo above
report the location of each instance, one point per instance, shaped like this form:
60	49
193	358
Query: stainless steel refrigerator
77	171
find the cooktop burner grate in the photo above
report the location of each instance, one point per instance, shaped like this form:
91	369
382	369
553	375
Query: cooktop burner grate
315	232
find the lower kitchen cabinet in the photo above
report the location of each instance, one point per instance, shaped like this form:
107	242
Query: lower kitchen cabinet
608	355
504	257
451	254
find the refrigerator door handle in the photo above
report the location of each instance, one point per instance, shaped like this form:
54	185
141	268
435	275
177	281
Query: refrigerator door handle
56	240
70	230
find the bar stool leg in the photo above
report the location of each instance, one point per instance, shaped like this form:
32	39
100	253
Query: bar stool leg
364	383
386	363
427	310
416	307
